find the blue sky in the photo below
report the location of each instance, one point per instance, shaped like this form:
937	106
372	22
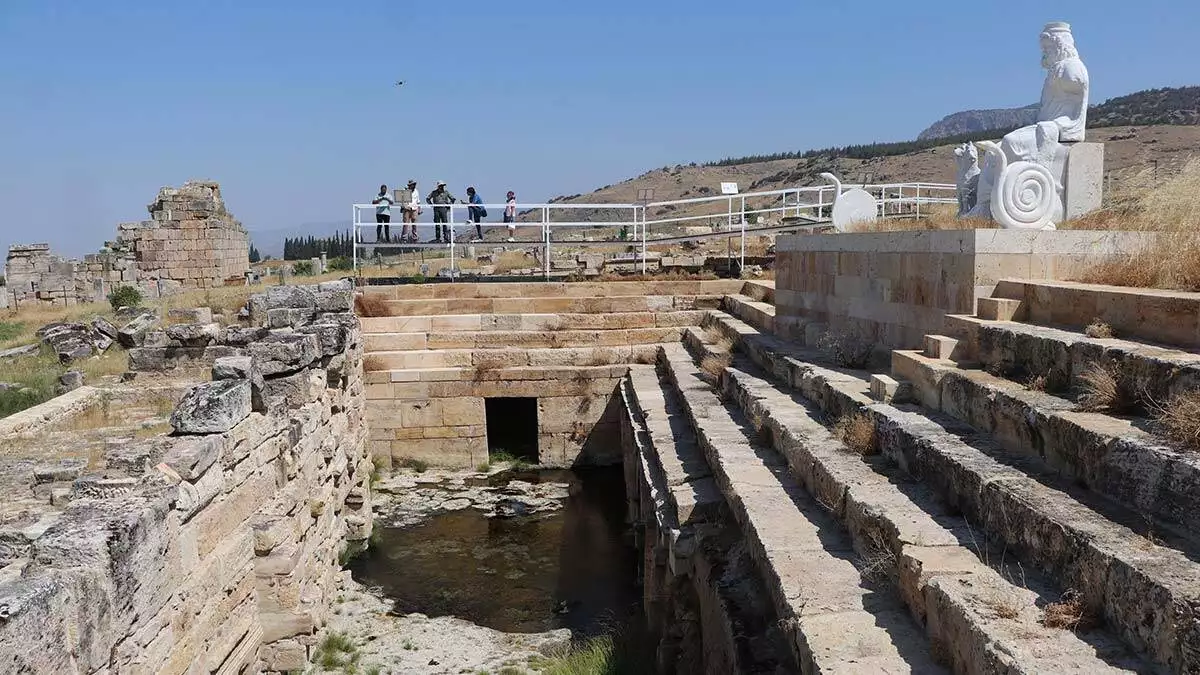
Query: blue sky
290	105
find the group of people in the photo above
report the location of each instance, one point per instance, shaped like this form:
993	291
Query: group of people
409	201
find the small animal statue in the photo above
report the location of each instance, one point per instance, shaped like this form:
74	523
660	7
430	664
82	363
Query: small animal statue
966	159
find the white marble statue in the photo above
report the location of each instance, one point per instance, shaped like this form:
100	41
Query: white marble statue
966	159
1021	184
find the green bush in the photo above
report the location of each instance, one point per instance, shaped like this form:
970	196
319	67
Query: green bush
341	264
303	268
9	330
125	296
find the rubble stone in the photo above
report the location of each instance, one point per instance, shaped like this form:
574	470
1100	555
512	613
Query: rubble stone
133	334
212	407
281	353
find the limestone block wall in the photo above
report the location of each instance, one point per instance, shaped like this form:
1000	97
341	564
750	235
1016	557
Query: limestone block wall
214	549
895	287
190	240
440	416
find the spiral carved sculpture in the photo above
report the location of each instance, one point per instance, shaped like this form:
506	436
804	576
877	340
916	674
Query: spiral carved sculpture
1026	197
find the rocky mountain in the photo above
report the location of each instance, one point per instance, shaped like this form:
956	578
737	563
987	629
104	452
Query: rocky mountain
972	121
1169	105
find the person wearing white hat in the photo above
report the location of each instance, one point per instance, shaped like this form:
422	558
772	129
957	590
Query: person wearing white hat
441	198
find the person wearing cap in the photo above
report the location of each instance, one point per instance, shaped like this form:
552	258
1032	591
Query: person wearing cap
510	213
410	210
441	199
475	213
383	214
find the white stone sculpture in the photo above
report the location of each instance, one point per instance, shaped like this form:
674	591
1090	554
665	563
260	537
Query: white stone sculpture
855	205
1023	178
966	157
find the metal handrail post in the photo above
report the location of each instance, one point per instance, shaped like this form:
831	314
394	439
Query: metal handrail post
643	240
451	255
354	236
546	243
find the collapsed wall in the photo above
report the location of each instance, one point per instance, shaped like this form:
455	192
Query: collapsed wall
214	549
190	241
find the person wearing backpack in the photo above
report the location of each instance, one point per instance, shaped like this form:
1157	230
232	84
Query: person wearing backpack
475	213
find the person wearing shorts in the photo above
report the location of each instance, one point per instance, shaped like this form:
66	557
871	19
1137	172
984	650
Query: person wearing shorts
383	214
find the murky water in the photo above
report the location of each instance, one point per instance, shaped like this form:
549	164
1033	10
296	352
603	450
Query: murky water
569	569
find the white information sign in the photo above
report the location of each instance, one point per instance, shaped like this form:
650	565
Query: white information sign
729	188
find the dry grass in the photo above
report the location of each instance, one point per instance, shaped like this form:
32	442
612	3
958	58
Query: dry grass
939	217
1179	419
371	305
514	260
373	363
1169	209
1098	329
857	432
713	365
1004	604
1106	388
878	563
1036	383
1069	613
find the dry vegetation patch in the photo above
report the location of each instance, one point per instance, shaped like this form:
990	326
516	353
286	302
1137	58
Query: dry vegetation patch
713	365
857	432
370	305
1170	210
1179	419
1098	329
849	350
1106	388
1069	613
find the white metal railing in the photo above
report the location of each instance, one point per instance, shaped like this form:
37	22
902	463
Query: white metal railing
803	206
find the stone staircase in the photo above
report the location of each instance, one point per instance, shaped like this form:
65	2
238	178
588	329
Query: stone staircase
988	525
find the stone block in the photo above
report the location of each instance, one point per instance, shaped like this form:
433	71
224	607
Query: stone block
294	390
133	333
191	457
288	317
193	334
236	336
1084	181
199	315
998	309
212	407
331	336
941	347
280	353
885	389
242	368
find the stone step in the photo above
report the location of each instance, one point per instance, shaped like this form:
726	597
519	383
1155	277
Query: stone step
538	305
1149	595
1021	350
756	313
493	359
836	621
693	547
497	339
1111	456
941	347
1152	314
542	289
761	290
530	322
931	556
998	309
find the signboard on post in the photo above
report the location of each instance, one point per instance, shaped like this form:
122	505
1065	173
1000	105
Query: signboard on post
729	188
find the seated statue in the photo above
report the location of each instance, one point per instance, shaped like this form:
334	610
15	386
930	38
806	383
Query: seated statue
1062	117
1021	179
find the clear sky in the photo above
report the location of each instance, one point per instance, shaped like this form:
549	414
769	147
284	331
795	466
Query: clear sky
291	107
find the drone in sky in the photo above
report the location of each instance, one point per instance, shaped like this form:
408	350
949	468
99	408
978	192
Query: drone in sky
399	83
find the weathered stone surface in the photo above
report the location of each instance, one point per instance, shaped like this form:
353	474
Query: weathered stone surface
133	334
242	368
64	470
70	380
331	336
197	315
101	487
193	334
281	353
296	389
70	341
104	327
212	407
191	457
291	297
288	317
237	336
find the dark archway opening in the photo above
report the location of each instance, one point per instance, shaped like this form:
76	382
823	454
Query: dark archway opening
512	427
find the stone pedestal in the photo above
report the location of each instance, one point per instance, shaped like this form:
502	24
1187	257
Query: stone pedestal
1083	182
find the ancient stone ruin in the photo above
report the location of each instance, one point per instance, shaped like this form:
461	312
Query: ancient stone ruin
190	241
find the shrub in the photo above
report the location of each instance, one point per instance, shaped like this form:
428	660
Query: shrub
1069	613
857	432
715	364
417	465
1098	329
1179	419
125	296
303	268
341	264
1106	389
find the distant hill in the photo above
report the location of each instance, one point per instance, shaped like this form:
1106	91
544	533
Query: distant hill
1170	105
971	121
